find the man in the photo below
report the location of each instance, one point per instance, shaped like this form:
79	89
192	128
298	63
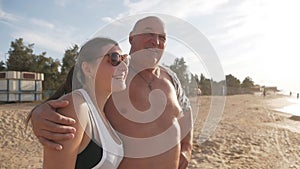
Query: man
152	116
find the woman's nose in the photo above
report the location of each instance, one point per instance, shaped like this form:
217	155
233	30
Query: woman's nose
126	59
123	66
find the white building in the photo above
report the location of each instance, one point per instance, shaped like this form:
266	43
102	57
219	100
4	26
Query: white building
18	86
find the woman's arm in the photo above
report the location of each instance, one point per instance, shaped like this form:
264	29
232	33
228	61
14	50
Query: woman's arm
66	158
48	125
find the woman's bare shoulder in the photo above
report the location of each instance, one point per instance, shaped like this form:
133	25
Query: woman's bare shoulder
77	105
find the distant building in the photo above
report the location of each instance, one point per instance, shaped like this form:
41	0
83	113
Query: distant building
18	86
260	90
271	90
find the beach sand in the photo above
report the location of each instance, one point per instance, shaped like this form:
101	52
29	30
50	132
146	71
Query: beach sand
249	135
19	148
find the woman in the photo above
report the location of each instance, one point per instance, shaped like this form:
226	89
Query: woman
99	71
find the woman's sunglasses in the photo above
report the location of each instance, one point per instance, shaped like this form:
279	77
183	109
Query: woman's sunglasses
115	58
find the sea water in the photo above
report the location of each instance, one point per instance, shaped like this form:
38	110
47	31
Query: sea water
293	108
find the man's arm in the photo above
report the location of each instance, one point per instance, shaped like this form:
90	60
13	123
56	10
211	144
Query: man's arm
50	126
66	158
185	122
186	125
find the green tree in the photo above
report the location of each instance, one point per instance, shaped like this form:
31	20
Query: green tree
205	85
247	83
233	84
2	66
232	81
193	84
49	67
196	77
20	56
51	74
180	68
68	61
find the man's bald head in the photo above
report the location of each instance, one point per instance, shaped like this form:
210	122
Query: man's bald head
150	24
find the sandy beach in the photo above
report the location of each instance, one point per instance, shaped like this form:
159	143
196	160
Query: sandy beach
250	134
18	148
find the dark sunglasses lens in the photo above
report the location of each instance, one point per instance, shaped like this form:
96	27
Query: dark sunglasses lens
115	59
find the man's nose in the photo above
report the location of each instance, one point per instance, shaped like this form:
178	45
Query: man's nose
155	40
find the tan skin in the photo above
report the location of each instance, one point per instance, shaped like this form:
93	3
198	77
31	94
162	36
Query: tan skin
139	99
149	34
77	109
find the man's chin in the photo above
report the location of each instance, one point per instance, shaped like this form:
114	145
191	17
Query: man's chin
118	88
147	64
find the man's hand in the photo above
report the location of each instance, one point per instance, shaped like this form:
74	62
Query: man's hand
184	160
50	126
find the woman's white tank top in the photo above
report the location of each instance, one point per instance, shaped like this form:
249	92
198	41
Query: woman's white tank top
112	152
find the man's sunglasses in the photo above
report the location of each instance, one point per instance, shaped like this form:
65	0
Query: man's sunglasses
115	58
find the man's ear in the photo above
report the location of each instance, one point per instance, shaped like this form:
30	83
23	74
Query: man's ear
130	38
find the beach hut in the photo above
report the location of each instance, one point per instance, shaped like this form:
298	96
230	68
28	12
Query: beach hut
271	90
16	86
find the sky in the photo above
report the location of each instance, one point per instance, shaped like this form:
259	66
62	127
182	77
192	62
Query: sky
255	38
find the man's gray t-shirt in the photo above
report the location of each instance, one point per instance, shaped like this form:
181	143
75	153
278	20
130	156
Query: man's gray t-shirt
181	97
